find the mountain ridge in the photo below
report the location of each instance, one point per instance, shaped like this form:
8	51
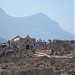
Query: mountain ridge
37	25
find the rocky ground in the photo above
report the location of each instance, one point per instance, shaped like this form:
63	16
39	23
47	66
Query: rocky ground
14	62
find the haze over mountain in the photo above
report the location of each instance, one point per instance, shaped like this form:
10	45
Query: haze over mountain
2	40
38	25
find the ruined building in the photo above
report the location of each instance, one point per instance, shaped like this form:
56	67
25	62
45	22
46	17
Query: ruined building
27	43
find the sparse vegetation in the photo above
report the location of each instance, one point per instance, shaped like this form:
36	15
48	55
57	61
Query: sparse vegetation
26	62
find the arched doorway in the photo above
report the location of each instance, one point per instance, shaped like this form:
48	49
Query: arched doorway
27	47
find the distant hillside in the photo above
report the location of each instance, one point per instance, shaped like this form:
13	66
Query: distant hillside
38	25
2	40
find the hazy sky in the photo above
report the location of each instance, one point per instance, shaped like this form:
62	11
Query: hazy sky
61	11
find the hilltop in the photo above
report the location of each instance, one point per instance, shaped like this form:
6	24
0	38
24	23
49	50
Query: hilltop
38	25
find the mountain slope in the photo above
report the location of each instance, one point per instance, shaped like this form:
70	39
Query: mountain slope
38	25
2	40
